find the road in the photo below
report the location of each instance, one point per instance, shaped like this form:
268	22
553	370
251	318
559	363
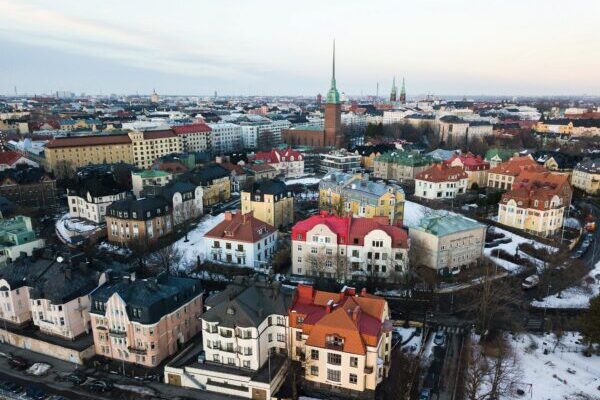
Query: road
592	256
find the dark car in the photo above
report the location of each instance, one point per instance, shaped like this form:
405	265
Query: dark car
76	378
18	363
11	387
99	386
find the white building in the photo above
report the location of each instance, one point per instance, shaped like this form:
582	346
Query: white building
226	138
91	201
195	137
241	239
441	181
149	178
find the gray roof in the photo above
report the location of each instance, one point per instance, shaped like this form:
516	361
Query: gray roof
442	223
356	188
591	166
247	302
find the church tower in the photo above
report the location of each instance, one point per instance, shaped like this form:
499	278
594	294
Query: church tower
393	92
333	112
403	93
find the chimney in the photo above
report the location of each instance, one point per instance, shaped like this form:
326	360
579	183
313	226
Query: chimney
228	216
355	313
329	306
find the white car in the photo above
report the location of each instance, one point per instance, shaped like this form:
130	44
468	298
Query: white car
530	282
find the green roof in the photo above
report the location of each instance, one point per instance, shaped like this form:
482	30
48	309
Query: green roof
504	154
405	158
443	223
151	173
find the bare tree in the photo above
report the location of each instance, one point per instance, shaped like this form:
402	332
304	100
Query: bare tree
504	370
167	259
475	374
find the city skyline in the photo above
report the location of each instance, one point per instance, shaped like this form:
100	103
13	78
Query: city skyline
465	48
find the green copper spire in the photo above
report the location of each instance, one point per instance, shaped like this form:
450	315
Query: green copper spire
333	96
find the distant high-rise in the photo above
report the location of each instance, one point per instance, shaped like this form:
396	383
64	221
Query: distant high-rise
319	99
393	92
403	93
154	97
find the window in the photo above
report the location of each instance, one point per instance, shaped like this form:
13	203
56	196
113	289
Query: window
353	378
355	253
270	337
334	359
354	362
314	354
333	375
299	335
314	370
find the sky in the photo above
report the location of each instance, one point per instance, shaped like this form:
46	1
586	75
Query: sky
263	47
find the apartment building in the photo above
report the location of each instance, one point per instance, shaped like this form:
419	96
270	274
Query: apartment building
349	247
261	171
401	166
215	181
289	163
446	242
440	182
497	156
271	201
17	236
226	138
345	194
340	161
245	341
241	239
145	321
147	219
503	175
194	137
536	203
90	197
342	340
147	146
368	153
149	178
586	176
28	187
475	167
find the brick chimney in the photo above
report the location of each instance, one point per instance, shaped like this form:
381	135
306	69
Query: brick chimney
228	216
329	306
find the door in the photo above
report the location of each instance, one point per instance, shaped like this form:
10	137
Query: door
174	380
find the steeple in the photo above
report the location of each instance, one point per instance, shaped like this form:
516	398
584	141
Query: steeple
333	96
393	92
403	93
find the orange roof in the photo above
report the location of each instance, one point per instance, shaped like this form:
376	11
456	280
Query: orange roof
516	165
357	319
541	186
442	173
241	227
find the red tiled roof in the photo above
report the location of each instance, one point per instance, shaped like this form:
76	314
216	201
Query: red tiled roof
442	173
191	128
9	157
470	161
516	165
95	140
542	186
276	156
241	227
160	134
234	167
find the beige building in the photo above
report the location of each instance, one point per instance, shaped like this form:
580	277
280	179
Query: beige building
145	321
139	221
503	175
147	146
446	242
586	176
401	166
271	201
149	178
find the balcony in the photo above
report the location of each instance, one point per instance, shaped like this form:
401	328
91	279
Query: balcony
216	250
368	370
136	350
226	334
334	346
117	334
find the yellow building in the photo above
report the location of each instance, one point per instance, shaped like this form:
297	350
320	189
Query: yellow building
149	145
215	182
558	127
65	154
342	193
271	202
586	176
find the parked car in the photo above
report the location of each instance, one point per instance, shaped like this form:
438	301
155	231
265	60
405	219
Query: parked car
440	338
18	363
530	282
76	378
11	387
425	394
99	386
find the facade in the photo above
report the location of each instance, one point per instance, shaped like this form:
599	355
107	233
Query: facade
92	195
226	138
147	146
340	160
536	203
441	182
10	159
145	321
215	181
245	339
401	166
348	247
447	242
452	130
343	341
288	162
497	156
28	187
586	176
345	194
368	154
17	236
475	167
195	137
185	199
261	171
149	178
503	175
271	201
241	239
147	219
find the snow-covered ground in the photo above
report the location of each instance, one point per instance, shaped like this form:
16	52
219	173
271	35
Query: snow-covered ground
194	247
67	227
548	375
414	345
303	181
574	297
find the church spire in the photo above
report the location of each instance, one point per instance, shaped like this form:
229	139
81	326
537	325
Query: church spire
403	93
393	92
333	96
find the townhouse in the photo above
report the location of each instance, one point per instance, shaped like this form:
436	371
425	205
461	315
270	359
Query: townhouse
342	340
342	194
17	236
241	239
139	221
503	175
475	167
145	179
349	248
194	137
271	201
144	321
586	176
441	181
245	341
446	242
288	162
536	203
401	166
215	181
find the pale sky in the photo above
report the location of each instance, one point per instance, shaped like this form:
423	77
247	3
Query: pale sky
443	47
